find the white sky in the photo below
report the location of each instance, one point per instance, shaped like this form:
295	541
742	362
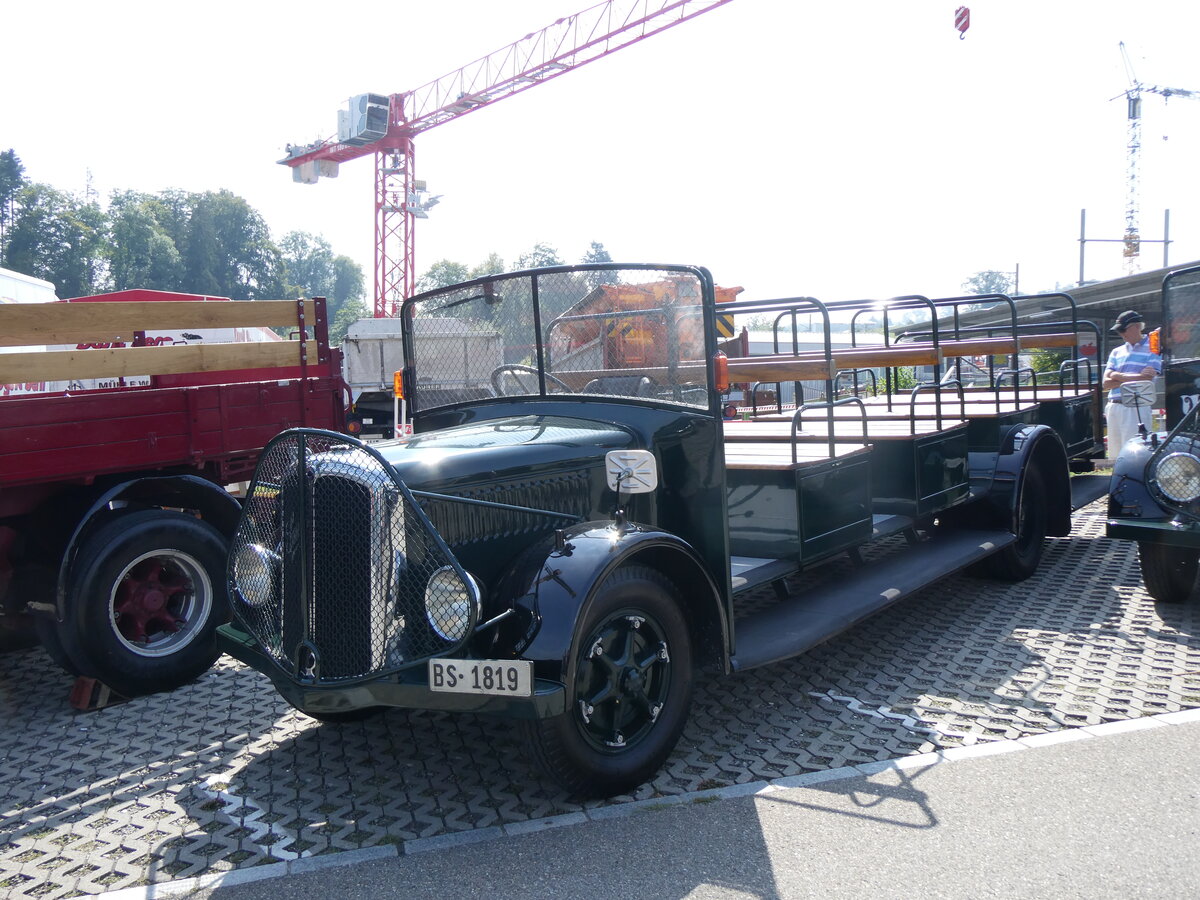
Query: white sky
832	149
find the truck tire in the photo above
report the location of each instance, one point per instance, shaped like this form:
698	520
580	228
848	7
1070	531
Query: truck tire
629	689
144	600
49	634
1169	573
1020	559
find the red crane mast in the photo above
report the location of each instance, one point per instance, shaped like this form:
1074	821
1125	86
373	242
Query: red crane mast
386	125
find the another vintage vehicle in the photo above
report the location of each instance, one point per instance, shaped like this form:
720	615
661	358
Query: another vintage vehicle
1155	492
568	540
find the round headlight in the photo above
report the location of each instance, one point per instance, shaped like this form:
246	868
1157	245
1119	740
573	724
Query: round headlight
1178	476
451	604
256	574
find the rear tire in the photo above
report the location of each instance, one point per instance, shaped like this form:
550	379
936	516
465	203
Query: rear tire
145	597
1020	559
48	633
629	689
1169	573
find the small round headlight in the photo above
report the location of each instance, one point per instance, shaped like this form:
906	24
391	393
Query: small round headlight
451	604
1178	476
256	574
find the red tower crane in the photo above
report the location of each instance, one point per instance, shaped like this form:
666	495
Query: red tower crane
386	125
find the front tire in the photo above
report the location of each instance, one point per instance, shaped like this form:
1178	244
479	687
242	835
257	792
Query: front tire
1169	573
629	689
145	598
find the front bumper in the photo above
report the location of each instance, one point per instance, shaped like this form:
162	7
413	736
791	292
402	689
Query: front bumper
408	689
1154	531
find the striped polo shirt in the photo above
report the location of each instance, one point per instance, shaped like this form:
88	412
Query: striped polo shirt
1127	360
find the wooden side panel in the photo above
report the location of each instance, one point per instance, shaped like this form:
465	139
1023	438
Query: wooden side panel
64	365
23	324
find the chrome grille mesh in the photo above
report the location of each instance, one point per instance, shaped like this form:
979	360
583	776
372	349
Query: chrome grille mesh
331	562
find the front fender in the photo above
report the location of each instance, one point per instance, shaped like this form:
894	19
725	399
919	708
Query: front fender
553	585
1129	497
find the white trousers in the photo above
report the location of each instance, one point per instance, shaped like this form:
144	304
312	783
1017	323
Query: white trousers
1123	424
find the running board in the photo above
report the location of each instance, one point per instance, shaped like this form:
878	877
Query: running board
801	621
1087	488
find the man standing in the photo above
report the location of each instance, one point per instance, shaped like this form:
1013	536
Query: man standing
1131	361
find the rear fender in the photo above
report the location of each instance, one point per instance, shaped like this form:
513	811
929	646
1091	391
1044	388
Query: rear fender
211	501
553	585
1024	446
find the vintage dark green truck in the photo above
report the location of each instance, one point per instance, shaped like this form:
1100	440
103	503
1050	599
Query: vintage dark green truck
569	533
1155	492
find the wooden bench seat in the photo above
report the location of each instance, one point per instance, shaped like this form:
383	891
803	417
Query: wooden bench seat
877	409
989	396
817	429
747	455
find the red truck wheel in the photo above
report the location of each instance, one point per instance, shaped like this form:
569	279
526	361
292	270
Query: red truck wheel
146	596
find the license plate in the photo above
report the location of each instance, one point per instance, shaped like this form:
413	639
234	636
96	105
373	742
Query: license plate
505	677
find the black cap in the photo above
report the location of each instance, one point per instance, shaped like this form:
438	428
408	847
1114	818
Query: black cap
1127	318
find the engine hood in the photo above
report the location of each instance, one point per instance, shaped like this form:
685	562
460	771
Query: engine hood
516	447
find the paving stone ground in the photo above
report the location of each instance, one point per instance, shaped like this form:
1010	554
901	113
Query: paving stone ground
222	774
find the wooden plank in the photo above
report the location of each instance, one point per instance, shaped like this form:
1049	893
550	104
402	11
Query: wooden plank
779	456
66	365
781	369
1044	341
816	427
22	324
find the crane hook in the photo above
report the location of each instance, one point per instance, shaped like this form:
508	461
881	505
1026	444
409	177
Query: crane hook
962	21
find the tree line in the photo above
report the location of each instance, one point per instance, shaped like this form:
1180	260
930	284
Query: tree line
209	242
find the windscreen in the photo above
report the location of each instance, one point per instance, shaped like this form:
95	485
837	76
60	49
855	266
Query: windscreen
1181	316
619	332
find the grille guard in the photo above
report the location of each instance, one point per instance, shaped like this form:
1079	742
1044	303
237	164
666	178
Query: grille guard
331	560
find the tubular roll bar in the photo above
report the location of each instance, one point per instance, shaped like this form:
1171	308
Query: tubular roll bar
801	410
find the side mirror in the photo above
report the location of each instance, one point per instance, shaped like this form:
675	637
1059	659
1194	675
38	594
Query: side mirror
631	471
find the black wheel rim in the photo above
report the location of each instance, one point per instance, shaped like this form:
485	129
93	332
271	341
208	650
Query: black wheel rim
622	679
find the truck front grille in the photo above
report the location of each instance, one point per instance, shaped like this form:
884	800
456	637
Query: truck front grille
331	560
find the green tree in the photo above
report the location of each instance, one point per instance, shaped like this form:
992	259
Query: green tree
493	265
143	253
58	237
989	281
345	316
442	273
348	282
12	179
541	255
307	264
596	254
312	270
228	250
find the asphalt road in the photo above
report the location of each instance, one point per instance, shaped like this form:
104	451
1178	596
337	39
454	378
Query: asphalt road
1107	811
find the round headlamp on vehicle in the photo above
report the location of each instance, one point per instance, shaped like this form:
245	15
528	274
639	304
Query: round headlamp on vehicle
256	574
451	604
1178	477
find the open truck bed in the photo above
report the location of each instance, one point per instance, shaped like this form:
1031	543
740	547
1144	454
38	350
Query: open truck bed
114	504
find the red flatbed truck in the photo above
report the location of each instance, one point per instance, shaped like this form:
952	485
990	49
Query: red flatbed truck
123	427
